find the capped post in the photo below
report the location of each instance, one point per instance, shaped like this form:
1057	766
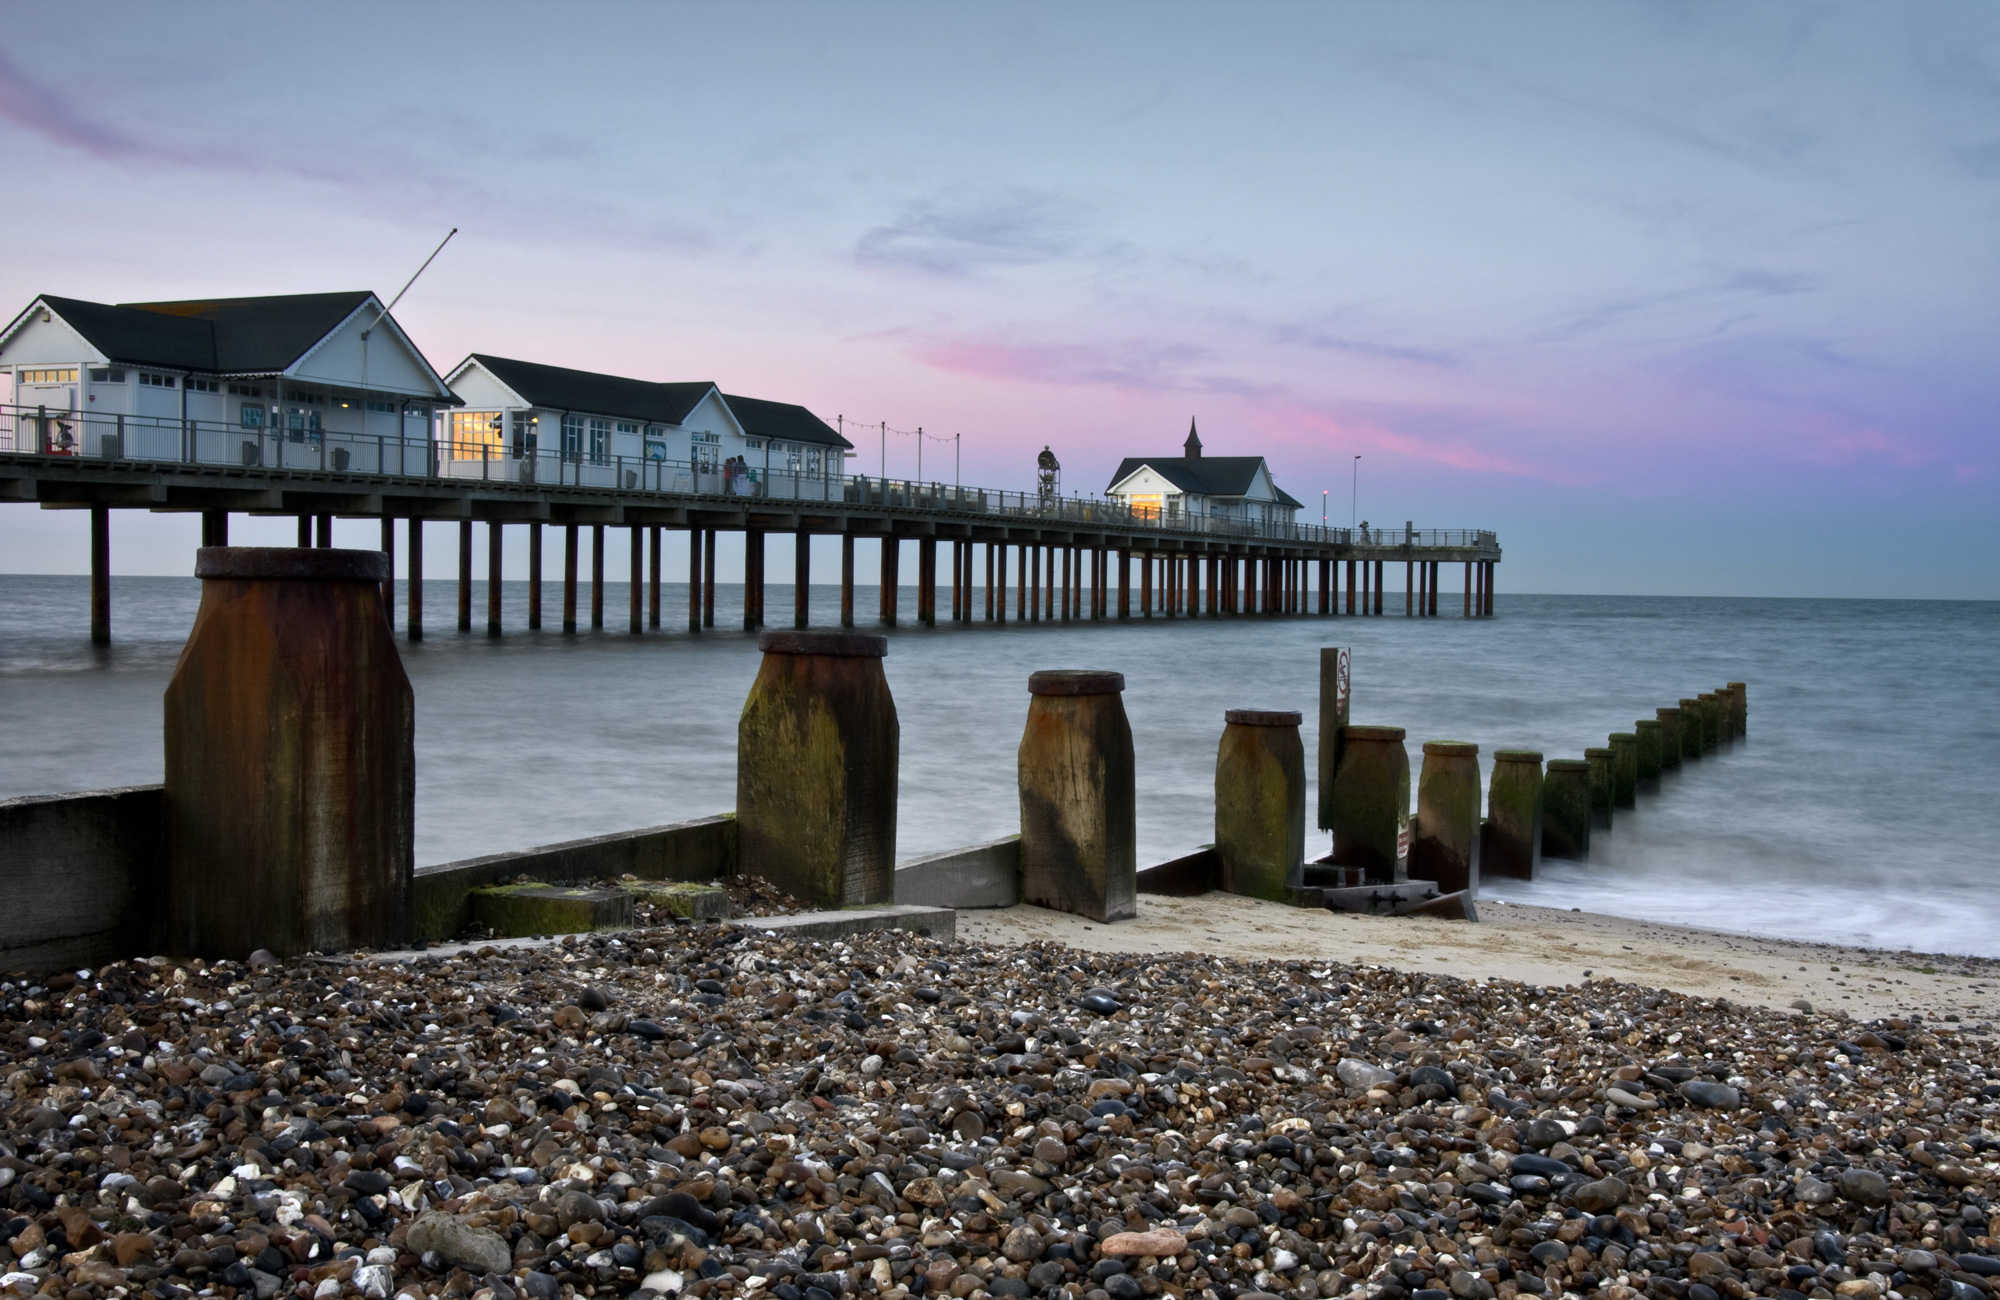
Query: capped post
1511	839
1671	741
1566	810
1079	834
1739	704
1692	722
1601	785
1649	732
1444	842
1371	802
290	760
1712	734
816	765
1260	803
1625	769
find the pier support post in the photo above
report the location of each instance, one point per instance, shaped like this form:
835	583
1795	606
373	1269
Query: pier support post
1436	568
413	621
305	532
596	576
801	578
653	576
1468	589
1079	844
1444	842
279	835
892	547
215	527
100	575
927	580
1378	588
1350	586
1260	803
1409	588
753	579
1625	769
1032	588
388	553
708	577
635	585
325	529
816	756
1670	737
465	575
1371	802
1566	810
957	580
1124	584
1692	723
1068	577
1367	589
999	555
571	544
1648	730
1193	602
493	571
988	590
1510	842
535	577
1602	784
847	579
695	580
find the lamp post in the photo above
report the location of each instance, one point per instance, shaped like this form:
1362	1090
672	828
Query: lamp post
1354	489
1322	510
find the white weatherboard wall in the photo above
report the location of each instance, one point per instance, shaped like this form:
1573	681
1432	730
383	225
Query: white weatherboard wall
391	367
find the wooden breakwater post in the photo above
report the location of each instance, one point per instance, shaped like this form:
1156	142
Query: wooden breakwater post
1649	732
1693	720
290	765
816	757
1600	760
1335	663
1625	769
1671	741
1371	802
1566	810
1712	734
1511	839
1260	803
1739	703
1079	832
1444	840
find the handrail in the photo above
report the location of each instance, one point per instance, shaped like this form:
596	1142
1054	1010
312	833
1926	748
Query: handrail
68	435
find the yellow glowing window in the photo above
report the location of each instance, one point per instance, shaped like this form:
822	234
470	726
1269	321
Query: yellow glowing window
48	376
1146	505
475	435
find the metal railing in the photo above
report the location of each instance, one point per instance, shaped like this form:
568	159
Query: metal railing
89	435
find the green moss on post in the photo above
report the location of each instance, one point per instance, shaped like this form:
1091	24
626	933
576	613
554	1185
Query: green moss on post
1511	844
518	911
1648	730
1260	803
1625	769
1371	802
1691	726
1711	720
816	755
1739	703
1566	810
1079	833
1671	740
1444	843
1601	786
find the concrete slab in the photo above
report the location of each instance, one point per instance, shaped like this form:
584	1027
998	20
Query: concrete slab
518	910
981	875
935	922
696	902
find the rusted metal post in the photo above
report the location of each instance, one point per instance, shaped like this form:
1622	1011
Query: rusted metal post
100	575
465	575
1371	802
571	544
816	757
535	577
1511	840
1078	831
413	621
493	568
290	772
1260	803
1444	844
1566	810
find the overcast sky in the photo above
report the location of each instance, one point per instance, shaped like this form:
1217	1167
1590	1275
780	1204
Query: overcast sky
1698	298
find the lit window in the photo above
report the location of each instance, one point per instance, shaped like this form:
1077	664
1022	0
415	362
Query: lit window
46	376
475	435
1146	505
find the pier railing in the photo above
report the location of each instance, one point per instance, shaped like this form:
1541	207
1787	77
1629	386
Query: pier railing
71	435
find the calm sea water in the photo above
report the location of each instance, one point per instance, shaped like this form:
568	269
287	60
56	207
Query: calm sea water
1860	809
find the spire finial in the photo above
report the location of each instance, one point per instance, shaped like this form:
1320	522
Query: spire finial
1192	447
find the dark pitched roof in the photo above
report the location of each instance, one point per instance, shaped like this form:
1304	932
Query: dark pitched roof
583	390
782	420
1209	476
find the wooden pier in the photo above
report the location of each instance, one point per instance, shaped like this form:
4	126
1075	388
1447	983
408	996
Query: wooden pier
1065	559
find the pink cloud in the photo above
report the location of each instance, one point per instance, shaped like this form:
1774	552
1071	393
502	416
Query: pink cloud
1866	445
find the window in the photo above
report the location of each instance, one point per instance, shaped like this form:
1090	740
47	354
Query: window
152	380
475	435
195	385
1145	505
107	375
754	444
46	376
525	436
572	437
253	416
383	408
245	390
627	426
600	442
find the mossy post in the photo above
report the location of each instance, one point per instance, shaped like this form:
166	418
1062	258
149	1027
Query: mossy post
816	755
1600	760
1260	803
1711	721
1444	844
290	767
1671	742
1079	837
1649	732
1739	703
1371	802
1725	715
1625	769
1511	841
1691	725
1566	810
1334	665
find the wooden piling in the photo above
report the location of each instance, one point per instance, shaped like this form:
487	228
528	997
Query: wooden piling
1371	802
1444	843
535	576
388	553
1510	845
1625	769
465	575
1602	785
1566	815
635	585
1078	830
596	576
1260	803
753	579
413	621
100	575
708	577
493	572
801	578
847	579
653	576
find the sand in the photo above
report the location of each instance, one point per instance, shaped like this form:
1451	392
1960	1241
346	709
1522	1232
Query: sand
1538	945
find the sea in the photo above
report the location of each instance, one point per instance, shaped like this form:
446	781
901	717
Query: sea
1862	807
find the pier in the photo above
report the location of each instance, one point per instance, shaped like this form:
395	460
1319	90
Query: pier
1065	559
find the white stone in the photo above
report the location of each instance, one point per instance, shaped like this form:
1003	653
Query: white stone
374	1280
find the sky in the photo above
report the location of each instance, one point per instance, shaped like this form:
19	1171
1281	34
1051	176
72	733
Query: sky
1677	298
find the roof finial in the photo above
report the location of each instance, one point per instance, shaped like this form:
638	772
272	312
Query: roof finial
1192	447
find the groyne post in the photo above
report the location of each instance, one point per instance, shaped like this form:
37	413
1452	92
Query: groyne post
1601	785
1625	769
1079	848
1371	802
1693	721
290	768
816	769
1260	803
1670	737
1511	839
1711	721
1650	734
1444	843
1739	702
1566	810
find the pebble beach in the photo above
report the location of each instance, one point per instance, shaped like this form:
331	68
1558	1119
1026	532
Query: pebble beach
706	1110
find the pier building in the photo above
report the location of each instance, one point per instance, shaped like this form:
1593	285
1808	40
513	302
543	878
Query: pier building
1191	487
